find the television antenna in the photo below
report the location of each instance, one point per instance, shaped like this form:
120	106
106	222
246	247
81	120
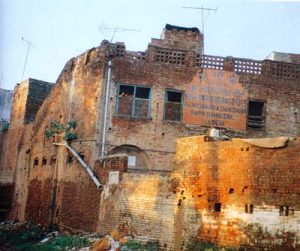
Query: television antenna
114	30
202	17
29	45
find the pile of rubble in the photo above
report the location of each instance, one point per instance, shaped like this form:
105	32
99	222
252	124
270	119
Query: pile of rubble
29	236
112	242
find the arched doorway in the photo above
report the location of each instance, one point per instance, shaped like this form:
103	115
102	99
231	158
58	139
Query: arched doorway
137	157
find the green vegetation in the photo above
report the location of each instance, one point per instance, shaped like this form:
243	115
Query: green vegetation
206	246
62	242
137	246
68	131
28	237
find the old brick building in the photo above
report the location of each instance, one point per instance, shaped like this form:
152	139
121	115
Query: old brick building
130	107
159	95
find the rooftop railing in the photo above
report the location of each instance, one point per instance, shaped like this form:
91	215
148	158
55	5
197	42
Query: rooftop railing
281	70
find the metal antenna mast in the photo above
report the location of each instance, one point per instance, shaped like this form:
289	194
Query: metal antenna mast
28	48
114	30
202	17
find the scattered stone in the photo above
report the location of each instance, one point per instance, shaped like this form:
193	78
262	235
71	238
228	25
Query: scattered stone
52	234
45	240
115	235
109	243
124	240
102	244
84	249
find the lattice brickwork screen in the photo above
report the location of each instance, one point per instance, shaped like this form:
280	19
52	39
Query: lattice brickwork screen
247	66
170	56
284	70
212	62
120	50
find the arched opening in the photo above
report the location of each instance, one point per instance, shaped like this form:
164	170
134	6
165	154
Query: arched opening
36	162
53	160
137	157
44	161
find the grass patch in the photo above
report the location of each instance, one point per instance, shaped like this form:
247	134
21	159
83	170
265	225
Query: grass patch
137	246
27	238
206	246
61	242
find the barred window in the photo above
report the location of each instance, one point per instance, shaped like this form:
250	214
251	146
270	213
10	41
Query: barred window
173	105
133	101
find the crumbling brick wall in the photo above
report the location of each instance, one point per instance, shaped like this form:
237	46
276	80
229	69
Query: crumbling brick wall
26	100
246	201
64	194
14	135
209	197
237	194
78	197
282	99
143	206
179	38
37	93
38	206
74	97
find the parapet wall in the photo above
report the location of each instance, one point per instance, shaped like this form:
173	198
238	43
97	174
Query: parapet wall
157	52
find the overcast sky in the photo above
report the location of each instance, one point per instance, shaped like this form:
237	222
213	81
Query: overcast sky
62	29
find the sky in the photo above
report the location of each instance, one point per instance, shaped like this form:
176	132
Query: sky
62	29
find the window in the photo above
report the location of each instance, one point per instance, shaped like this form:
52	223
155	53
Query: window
44	161
133	101
249	208
256	114
218	207
284	210
36	162
70	159
131	162
81	155
53	160
173	105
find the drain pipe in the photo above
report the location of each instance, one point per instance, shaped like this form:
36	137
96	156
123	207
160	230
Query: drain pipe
86	167
106	109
